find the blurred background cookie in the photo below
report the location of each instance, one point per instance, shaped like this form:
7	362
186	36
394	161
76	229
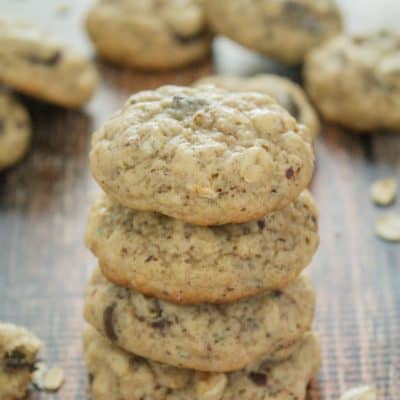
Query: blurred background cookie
149	34
286	92
15	130
355	80
34	64
282	29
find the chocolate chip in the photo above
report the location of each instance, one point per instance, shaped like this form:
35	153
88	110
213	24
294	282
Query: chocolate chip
261	224
189	39
289	173
161	324
148	259
50	61
277	293
108	322
2	127
258	378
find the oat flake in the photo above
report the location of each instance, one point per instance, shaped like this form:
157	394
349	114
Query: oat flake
383	192
388	227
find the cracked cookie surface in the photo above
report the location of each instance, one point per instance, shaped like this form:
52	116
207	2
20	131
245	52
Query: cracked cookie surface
119	375
287	93
15	130
34	64
152	34
205	337
18	356
203	155
355	81
282	29
183	263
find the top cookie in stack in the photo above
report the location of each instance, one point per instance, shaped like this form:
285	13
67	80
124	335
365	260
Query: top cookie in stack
202	156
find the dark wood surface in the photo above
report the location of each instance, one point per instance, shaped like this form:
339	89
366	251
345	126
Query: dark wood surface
45	199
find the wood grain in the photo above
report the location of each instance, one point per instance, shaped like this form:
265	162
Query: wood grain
45	199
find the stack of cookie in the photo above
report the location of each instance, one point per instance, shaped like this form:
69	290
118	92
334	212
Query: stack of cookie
201	237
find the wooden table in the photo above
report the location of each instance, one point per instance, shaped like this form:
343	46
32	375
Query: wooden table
44	202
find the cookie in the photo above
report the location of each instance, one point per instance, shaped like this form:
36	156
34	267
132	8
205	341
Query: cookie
203	155
169	259
354	81
18	352
15	130
118	375
282	29
206	337
287	93
32	63
153	34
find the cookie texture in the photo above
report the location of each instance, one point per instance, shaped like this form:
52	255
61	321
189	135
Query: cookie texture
206	337
282	29
287	93
153	34
203	155
32	63
354	81
119	375
183	263
15	130
18	353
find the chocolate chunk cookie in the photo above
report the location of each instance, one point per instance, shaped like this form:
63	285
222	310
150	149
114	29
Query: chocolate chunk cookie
205	337
169	259
32	63
18	352
152	34
355	81
287	93
282	29
15	130
203	155
119	375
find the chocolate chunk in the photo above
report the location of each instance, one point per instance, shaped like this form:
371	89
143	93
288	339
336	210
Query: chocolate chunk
258	378
161	324
48	61
289	173
148	259
15	361
108	322
292	107
277	293
189	39
298	14
261	224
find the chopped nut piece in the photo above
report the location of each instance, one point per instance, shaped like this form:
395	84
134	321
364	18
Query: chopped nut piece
360	393
211	386
388	227
48	379
383	192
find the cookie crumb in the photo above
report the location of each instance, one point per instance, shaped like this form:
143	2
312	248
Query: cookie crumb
360	393
48	379
62	8
388	227
383	192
